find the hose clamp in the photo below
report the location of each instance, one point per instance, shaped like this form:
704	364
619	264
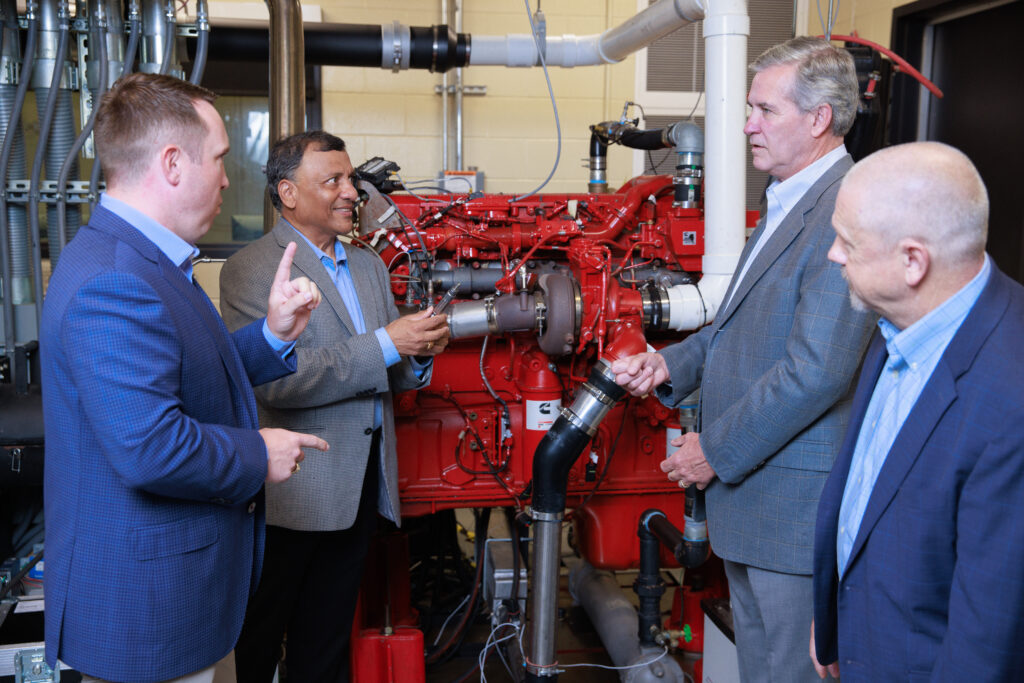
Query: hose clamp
598	394
539	516
578	423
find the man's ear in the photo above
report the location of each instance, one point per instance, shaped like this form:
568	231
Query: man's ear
916	261
822	120
287	191
170	163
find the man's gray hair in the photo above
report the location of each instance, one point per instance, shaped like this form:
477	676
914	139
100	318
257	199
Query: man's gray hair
825	75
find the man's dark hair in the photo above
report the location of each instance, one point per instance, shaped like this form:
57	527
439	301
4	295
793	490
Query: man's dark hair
286	157
141	113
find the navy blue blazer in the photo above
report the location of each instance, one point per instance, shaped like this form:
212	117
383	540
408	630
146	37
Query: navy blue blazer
154	470
934	589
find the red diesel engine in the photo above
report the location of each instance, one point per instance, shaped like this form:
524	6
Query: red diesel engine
545	286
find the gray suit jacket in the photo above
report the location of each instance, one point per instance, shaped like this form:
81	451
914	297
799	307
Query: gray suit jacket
775	369
331	395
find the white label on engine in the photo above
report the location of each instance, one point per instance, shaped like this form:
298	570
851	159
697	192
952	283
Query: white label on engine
540	415
671	433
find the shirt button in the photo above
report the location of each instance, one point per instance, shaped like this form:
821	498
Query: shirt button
368	431
252	507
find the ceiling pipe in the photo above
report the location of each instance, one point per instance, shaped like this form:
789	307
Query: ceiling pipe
287	80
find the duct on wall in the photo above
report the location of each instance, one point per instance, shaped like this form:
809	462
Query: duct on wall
8	238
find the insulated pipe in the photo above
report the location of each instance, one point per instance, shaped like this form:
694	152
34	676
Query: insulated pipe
126	60
558	450
614	45
45	150
13	122
615	620
287	80
70	161
726	28
16	215
157	47
202	44
388	46
170	31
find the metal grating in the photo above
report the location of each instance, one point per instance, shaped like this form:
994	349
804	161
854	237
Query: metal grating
676	64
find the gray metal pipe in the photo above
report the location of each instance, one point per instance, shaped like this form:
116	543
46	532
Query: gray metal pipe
616	622
155	41
6	150
203	46
547	553
287	79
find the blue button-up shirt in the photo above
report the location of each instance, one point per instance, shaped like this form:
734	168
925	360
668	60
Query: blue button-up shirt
177	250
913	355
341	276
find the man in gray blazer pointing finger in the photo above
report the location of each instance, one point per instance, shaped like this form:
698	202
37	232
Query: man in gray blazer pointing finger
776	363
356	351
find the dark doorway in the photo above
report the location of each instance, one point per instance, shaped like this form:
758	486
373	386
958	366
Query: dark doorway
966	48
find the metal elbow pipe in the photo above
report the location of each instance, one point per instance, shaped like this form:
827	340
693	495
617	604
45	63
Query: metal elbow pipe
690	547
557	451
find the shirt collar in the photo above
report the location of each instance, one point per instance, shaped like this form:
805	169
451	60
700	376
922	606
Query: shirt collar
339	248
934	331
788	192
173	247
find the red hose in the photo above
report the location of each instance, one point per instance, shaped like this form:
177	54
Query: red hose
900	62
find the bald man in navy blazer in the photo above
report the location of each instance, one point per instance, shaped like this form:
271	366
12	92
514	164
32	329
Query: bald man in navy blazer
919	547
154	465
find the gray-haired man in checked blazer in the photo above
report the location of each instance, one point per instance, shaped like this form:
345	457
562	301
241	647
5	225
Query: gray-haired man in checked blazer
356	351
776	365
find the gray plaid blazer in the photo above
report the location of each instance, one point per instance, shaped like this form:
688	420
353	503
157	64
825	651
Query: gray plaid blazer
331	394
775	370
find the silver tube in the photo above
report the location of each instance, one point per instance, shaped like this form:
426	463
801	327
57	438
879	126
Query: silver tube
203	44
444	100
154	36
472	318
167	59
459	132
5	156
547	551
287	79
617	624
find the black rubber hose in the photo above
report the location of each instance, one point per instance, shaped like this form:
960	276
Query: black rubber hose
435	48
648	585
643	139
16	579
560	448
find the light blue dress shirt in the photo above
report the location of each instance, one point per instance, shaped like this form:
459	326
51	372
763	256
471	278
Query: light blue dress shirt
341	276
177	250
913	355
782	197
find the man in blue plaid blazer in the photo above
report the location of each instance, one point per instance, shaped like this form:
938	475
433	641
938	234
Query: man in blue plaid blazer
776	363
154	465
920	537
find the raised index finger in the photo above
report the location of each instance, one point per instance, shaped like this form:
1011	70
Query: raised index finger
284	269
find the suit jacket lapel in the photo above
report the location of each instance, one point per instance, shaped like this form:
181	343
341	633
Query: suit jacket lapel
310	265
792	224
936	397
363	279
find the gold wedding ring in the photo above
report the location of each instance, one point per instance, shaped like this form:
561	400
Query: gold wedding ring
684	484
430	345
295	468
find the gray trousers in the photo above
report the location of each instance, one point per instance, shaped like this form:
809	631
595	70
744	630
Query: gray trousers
221	672
771	615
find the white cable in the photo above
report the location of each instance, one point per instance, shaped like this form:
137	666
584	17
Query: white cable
618	668
445	624
554	106
482	657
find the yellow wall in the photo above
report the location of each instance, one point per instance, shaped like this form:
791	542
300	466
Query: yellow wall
510	131
872	19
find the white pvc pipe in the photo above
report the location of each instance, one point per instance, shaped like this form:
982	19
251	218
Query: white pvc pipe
614	45
726	27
